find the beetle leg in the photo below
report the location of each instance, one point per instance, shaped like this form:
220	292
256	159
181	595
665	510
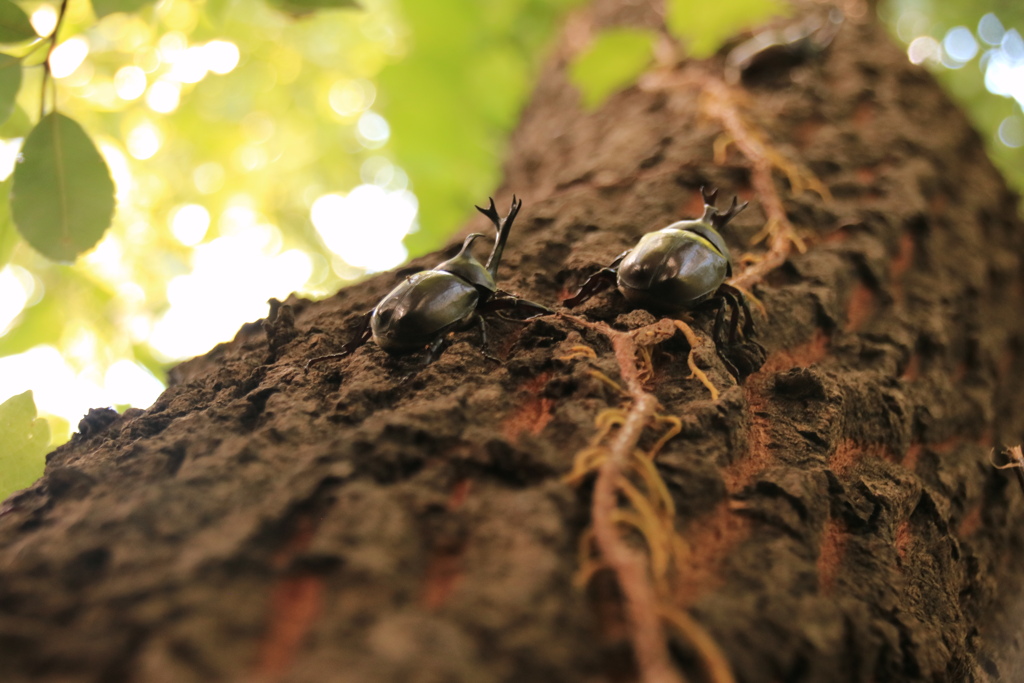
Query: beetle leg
728	301
748	320
362	335
503	300
734	321
716	332
597	282
436	348
483	340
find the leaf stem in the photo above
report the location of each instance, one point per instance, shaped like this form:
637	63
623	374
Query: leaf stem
46	62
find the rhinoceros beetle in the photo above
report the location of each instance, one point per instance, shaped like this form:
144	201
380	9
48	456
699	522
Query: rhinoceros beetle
677	269
421	311
780	49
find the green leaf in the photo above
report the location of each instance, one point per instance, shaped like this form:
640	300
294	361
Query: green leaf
10	82
14	24
104	7
613	61
63	197
8	235
17	126
300	8
705	28
35	53
24	442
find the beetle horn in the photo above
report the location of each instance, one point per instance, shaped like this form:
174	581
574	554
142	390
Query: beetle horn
492	213
709	204
709	195
503	226
468	242
720	219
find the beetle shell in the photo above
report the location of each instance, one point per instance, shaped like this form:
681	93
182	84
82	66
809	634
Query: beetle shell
421	308
709	233
673	269
469	269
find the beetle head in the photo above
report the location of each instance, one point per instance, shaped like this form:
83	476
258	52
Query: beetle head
465	266
712	215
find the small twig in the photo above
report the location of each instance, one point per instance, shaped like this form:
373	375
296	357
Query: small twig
46	62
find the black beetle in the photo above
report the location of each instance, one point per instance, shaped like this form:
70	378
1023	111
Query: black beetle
421	311
779	49
677	268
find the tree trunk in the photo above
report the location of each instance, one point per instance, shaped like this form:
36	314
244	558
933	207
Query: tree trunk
832	516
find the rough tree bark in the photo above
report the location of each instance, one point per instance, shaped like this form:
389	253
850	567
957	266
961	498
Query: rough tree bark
834	516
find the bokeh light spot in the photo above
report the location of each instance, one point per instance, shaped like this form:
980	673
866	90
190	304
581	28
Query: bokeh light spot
911	24
990	29
44	20
190	66
124	182
171	46
959	43
130	82
209	177
129	383
924	48
9	151
221	56
1011	131
372	130
163	96
189	224
242	275
144	140
350	97
366	227
16	289
68	56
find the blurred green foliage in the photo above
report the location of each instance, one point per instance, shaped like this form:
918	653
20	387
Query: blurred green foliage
218	170
25	439
455	94
10	83
14	24
704	27
613	60
931	22
225	124
8	235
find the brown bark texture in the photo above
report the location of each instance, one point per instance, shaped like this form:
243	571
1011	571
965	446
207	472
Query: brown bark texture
587	509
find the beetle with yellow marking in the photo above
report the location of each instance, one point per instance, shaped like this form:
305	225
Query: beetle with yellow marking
678	268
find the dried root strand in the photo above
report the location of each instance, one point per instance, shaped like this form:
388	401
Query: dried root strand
578	351
715	663
675	426
723	104
607	381
1015	455
632	503
695	371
